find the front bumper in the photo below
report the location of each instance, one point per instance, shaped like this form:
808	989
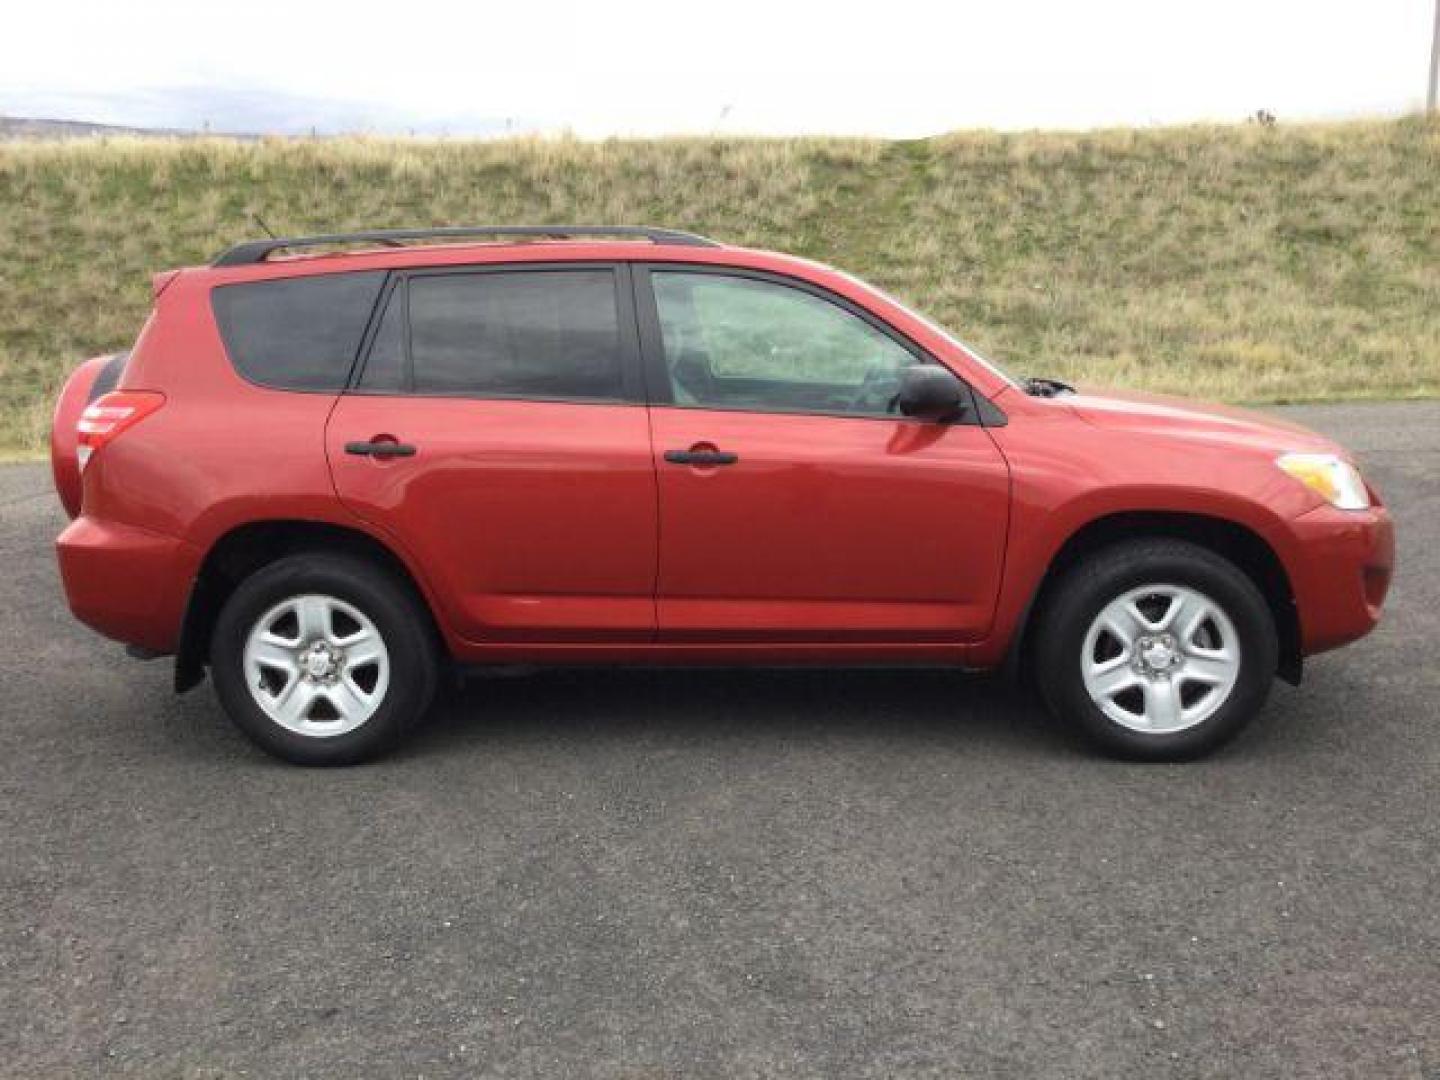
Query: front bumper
128	583
1341	570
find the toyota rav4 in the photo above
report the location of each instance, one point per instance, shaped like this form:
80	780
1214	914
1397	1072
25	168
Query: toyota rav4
333	468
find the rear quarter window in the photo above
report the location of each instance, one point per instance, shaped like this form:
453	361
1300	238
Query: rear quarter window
296	333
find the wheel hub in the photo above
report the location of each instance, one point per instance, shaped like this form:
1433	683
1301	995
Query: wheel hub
1157	654
320	662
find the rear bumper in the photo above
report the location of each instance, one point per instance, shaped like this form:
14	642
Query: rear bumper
1344	560
128	583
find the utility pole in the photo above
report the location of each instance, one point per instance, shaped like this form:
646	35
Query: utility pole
1434	62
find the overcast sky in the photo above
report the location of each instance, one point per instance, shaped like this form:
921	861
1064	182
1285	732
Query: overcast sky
885	67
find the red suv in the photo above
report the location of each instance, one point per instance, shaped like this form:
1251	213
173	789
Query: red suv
329	475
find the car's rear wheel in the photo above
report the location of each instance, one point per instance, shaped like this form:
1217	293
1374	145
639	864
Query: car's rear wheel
323	659
1157	649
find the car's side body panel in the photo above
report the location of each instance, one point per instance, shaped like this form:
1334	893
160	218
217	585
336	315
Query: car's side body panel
535	521
828	529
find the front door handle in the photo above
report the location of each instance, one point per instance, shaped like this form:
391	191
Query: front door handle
702	458
380	448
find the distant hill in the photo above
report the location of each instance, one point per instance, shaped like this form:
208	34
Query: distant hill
30	127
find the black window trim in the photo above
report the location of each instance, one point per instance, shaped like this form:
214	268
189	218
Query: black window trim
657	372
631	380
388	288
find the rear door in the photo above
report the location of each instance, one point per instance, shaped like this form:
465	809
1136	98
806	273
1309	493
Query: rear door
496	432
795	504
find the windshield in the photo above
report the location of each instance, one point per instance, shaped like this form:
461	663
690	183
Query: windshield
935	327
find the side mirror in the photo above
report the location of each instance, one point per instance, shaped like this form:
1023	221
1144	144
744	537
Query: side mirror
931	392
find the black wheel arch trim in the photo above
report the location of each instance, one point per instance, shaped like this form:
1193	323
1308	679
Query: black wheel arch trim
230	559
1268	574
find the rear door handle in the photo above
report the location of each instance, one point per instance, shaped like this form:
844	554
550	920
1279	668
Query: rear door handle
380	449
701	457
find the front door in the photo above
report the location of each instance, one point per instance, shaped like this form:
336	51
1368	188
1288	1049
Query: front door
795	504
496	434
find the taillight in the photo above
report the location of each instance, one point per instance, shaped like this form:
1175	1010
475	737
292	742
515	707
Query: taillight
110	414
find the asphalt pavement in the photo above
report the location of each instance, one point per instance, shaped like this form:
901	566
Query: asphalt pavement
638	873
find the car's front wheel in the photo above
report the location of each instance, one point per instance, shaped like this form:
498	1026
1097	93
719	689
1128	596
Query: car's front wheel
1158	649
323	659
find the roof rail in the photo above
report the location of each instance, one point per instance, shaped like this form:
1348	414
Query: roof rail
257	251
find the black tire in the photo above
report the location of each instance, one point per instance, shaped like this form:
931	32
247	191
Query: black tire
396	613
1093	582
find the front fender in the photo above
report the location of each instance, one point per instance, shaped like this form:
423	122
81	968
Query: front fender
1069	476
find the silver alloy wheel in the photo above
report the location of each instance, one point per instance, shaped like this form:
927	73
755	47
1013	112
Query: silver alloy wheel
1161	658
316	665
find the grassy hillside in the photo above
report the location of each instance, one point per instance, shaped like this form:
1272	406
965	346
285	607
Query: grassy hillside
1244	263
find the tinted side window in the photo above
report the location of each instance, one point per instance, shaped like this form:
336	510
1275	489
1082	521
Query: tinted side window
540	334
296	333
741	343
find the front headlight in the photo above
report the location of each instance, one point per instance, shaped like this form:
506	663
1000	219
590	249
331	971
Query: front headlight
1331	477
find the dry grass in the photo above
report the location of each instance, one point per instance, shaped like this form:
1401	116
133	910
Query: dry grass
1243	263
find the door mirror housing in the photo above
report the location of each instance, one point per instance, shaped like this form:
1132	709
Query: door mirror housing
931	392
